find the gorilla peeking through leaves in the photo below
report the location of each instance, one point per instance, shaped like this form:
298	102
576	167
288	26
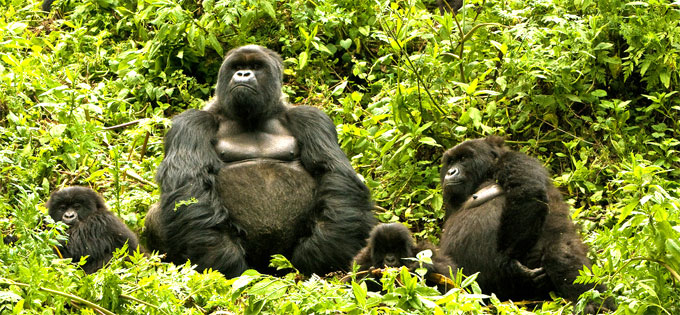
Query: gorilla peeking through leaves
92	229
517	233
250	176
391	245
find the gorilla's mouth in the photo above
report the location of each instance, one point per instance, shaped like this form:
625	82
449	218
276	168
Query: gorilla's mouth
247	87
452	183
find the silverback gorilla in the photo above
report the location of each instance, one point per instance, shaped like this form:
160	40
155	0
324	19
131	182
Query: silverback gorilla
502	230
250	176
93	230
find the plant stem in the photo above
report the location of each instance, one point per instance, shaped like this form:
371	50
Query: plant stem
64	294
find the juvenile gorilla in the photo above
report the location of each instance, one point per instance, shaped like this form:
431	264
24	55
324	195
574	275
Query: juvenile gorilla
93	230
503	232
390	245
250	176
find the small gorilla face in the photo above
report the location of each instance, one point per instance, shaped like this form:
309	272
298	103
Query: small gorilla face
466	166
390	243
249	81
73	204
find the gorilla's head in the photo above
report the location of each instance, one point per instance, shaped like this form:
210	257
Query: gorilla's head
389	244
249	84
467	165
73	205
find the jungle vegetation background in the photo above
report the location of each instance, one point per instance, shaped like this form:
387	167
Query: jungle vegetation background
590	87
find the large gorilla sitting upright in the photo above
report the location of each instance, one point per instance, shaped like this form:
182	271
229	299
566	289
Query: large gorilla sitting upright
503	217
250	176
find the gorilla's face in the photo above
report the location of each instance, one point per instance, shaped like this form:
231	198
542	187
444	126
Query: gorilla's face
390	243
249	84
73	205
466	166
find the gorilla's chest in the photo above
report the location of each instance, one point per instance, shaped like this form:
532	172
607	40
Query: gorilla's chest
271	141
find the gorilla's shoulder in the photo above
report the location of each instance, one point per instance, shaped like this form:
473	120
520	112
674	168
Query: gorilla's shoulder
302	111
192	113
195	118
310	117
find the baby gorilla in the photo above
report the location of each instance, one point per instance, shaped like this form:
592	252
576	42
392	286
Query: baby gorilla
93	230
391	245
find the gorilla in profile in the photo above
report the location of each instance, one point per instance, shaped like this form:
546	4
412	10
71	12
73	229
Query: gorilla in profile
92	229
250	176
506	220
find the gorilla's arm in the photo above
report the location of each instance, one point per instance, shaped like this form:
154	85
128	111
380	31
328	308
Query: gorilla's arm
343	215
363	259
190	159
525	182
440	263
318	140
190	203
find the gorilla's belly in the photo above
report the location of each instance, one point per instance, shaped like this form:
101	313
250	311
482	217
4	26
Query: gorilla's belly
473	232
270	200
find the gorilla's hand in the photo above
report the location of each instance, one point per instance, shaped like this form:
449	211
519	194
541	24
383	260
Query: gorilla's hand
537	276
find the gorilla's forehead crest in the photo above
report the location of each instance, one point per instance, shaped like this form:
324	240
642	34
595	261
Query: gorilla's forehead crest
250	53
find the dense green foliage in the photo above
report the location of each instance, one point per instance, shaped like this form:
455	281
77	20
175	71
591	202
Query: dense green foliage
590	87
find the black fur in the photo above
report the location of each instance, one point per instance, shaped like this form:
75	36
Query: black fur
251	176
449	5
504	237
390	244
9	239
47	5
93	230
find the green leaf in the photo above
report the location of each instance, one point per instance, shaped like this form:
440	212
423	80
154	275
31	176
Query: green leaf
345	43
339	88
472	87
359	293
268	8
469	280
215	44
302	60
573	98
665	78
627	210
19	307
599	93
429	141
437	202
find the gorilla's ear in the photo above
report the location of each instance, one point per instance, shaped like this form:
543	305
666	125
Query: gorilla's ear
100	203
495	141
497	145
